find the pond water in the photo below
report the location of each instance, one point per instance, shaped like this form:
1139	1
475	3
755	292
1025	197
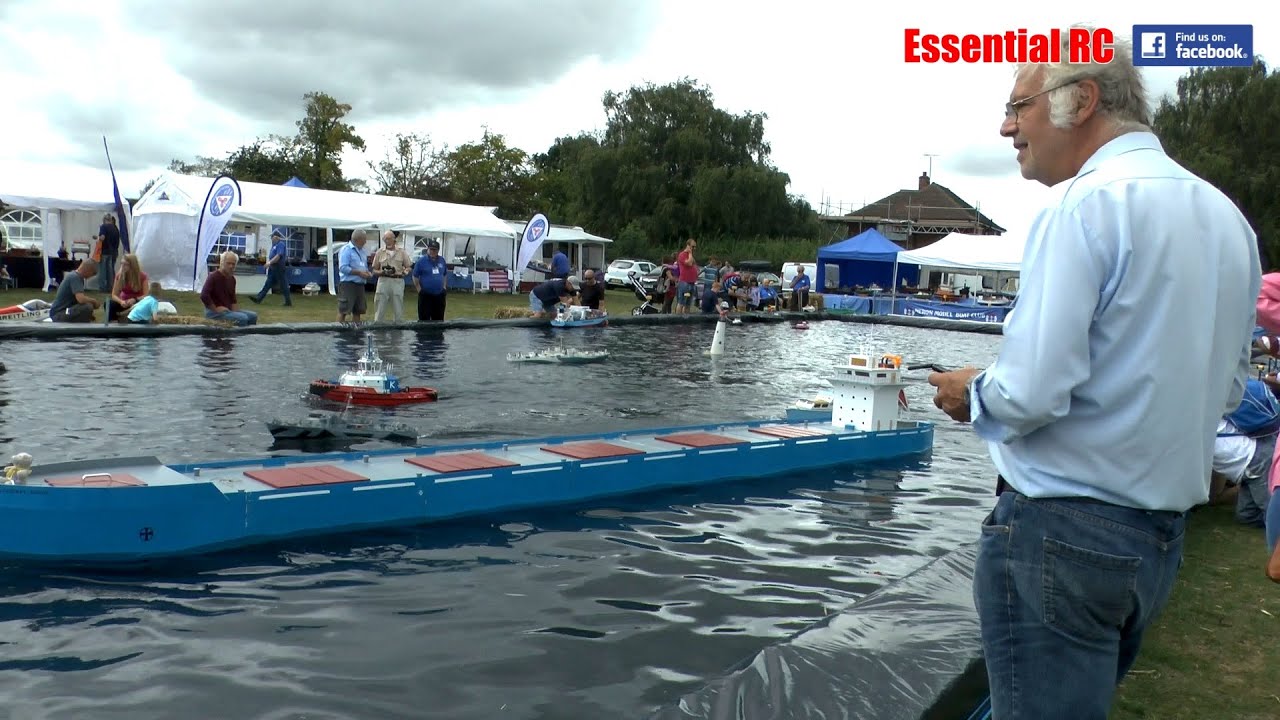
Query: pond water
607	610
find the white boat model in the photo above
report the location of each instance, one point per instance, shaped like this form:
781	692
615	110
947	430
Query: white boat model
578	316
563	355
33	309
819	407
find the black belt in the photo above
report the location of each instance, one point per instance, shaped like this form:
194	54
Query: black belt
1002	485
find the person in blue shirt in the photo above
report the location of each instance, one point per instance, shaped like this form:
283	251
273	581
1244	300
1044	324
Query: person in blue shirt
430	279
276	277
1132	338
800	289
711	298
560	265
544	298
144	311
353	273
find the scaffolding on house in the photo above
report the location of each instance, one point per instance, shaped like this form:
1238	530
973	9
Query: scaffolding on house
901	230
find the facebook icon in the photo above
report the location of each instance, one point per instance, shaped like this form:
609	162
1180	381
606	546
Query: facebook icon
1153	45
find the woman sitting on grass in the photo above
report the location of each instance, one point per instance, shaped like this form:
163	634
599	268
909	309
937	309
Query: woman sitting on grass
129	288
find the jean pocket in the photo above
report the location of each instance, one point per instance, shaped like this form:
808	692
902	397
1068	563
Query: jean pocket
1087	594
991	527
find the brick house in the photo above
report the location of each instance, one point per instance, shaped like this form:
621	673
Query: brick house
916	218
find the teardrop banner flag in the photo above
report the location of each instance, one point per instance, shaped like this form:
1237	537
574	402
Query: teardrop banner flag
535	231
224	195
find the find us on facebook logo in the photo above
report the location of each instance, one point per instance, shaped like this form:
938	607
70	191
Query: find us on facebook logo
1193	45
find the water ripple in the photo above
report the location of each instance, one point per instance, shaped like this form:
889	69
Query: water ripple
604	610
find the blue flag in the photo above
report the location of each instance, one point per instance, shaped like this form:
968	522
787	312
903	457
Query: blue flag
122	218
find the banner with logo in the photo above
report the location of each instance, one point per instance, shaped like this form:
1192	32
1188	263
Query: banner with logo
535	232
948	311
219	204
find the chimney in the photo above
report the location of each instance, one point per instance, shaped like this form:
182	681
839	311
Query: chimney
924	180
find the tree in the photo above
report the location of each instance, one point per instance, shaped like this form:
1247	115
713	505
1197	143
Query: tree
557	188
322	137
201	166
490	172
669	161
413	168
272	160
1221	126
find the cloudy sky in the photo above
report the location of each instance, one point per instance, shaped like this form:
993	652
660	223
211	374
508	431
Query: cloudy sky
849	120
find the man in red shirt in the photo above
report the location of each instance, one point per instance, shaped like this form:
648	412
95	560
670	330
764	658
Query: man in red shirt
688	268
219	294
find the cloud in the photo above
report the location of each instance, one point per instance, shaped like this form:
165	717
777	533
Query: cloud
134	145
993	161
387	59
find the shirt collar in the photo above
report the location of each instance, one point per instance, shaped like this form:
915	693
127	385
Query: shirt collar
1126	143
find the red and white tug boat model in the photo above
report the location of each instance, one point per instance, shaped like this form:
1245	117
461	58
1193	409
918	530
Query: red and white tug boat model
371	383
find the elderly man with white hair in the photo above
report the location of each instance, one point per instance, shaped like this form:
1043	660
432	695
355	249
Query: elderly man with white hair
353	273
219	294
390	265
1130	342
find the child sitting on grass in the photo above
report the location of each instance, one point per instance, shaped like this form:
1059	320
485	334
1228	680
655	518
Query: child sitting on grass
144	313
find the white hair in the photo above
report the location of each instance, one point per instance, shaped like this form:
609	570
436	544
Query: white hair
357	235
1122	95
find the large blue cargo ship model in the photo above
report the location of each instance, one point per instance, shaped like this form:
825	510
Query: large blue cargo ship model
128	510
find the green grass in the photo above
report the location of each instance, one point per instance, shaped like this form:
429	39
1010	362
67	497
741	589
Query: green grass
324	307
1215	651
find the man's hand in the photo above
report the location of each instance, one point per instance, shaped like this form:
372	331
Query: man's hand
951	396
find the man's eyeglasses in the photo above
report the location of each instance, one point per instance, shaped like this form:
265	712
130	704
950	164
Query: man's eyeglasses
1012	109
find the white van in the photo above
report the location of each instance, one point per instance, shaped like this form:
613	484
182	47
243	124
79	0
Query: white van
789	274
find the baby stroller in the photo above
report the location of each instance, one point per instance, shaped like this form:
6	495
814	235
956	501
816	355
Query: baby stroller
646	307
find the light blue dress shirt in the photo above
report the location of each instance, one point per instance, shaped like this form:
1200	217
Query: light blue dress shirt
1130	339
349	260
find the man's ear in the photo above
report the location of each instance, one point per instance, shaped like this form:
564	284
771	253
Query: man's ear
1088	98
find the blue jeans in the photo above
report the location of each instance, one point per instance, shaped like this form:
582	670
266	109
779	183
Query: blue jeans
240	318
1273	521
106	273
277	281
1064	589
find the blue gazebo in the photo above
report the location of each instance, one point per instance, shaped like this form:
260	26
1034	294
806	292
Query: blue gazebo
864	259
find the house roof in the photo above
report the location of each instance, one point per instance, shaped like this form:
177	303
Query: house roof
934	204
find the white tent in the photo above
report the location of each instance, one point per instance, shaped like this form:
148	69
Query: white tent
167	216
1000	253
585	250
70	206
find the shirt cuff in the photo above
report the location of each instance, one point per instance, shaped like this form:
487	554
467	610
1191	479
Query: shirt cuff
987	427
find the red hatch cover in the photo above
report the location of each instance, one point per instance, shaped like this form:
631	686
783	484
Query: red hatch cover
96	480
590	450
700	439
786	431
298	476
459	462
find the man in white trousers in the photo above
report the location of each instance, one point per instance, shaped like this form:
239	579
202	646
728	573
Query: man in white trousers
390	265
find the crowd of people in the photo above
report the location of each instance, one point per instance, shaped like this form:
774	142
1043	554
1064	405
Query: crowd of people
717	282
130	296
1132	339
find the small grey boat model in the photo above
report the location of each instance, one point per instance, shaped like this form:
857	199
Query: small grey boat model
564	356
339	427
